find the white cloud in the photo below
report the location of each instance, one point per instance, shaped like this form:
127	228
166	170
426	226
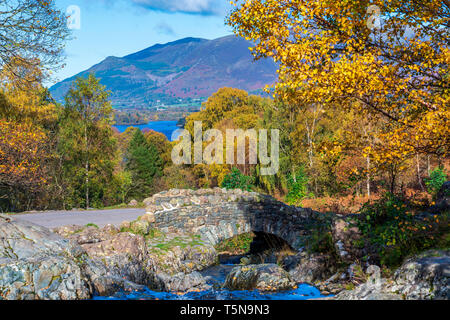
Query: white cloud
202	7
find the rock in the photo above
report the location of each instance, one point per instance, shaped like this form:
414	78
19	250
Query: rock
133	203
426	276
148	217
175	255
84	235
310	268
148	201
368	291
38	264
125	225
181	282
67	231
110	229
264	277
140	227
104	281
345	238
124	255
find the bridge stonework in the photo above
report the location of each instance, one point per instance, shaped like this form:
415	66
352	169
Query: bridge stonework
219	214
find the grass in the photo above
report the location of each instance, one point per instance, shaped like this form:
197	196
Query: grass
140	205
179	242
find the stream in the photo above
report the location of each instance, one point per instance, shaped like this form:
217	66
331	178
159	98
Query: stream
216	277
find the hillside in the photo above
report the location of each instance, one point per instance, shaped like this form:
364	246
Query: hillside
186	69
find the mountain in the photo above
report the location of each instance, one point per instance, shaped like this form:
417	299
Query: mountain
182	70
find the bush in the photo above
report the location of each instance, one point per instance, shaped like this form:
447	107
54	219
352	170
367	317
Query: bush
436	180
238	245
236	180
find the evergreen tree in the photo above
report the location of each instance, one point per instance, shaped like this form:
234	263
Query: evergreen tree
144	164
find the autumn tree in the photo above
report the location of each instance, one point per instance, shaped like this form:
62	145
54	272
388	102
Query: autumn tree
330	53
27	122
32	32
86	142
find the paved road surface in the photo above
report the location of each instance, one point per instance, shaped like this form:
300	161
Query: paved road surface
53	219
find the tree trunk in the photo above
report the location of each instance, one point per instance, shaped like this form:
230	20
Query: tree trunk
419	179
368	176
87	164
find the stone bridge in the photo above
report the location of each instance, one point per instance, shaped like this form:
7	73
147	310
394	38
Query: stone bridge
219	214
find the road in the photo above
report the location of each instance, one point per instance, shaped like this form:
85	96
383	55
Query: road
53	219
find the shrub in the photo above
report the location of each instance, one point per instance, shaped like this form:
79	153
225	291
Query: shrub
394	231
297	186
436	180
236	180
239	244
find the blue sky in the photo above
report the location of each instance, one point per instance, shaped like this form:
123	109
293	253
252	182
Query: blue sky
121	27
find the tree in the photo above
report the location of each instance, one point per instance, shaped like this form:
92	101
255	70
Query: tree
27	122
86	141
328	53
32	32
21	159
144	164
236	180
162	145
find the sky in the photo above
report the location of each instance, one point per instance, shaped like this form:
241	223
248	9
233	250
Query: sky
120	27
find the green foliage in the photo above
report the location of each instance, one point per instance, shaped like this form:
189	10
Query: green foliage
436	180
236	180
297	186
393	230
238	244
144	164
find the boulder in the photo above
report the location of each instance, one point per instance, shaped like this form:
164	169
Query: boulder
264	277
310	268
133	203
148	217
124	256
346	237
140	226
38	264
148	201
368	291
424	277
181	282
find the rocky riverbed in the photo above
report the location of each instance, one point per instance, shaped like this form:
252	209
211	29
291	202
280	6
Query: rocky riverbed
140	260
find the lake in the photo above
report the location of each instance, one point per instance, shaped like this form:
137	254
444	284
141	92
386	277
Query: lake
165	127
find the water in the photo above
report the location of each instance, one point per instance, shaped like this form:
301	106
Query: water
216	276
165	127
